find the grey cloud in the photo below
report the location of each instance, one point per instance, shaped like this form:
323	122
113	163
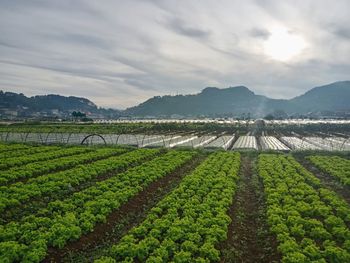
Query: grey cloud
343	32
119	53
83	39
60	69
180	27
8	44
145	85
259	33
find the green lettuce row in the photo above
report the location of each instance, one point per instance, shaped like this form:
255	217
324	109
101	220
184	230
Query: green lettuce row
52	184
8	163
29	151
333	165
12	147
310	222
188	224
120	128
39	168
67	220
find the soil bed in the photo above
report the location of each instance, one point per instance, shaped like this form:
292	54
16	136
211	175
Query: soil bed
34	204
89	246
328	181
249	239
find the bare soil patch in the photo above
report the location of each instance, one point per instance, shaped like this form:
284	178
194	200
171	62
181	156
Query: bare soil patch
249	239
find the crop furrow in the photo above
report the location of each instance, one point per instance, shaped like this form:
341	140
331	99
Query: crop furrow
67	220
8	163
39	191
25	172
310	222
188	223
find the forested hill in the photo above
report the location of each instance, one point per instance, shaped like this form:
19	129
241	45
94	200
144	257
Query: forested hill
332	97
47	102
211	102
240	100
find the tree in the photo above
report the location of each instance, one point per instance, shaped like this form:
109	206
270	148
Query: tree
78	115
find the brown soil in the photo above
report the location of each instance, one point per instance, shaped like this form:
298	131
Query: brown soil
258	142
68	167
34	204
233	141
249	239
115	227
327	180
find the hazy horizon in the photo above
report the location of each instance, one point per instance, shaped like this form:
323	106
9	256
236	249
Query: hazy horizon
194	93
120	53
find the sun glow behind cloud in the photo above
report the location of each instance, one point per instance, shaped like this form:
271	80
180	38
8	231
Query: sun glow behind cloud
283	45
93	49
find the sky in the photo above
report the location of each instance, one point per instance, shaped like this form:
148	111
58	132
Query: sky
119	53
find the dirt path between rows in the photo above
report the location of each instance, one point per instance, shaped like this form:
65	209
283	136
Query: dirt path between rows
249	239
327	180
119	222
34	204
65	168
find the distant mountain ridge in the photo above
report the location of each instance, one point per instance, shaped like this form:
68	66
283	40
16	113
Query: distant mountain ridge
210	102
237	101
335	96
20	105
45	102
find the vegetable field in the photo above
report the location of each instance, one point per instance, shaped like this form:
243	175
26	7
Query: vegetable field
335	166
128	204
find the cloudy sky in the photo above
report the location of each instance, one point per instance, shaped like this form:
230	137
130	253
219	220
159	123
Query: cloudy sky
119	53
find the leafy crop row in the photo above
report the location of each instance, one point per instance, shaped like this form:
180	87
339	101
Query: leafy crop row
311	223
62	221
120	128
187	224
39	168
334	165
52	184
117	128
28	151
12	147
22	160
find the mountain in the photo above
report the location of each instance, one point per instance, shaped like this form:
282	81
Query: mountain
331	97
53	104
236	101
329	100
211	101
47	102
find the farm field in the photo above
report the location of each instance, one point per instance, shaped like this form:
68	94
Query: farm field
334	165
154	131
259	135
272	143
189	140
296	143
246	142
103	203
